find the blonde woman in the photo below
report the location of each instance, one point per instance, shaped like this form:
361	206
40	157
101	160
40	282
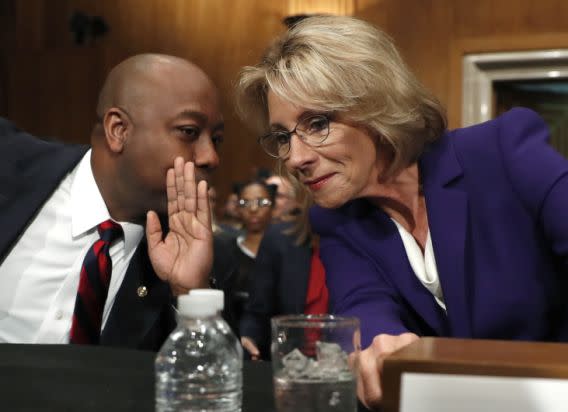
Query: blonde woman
422	231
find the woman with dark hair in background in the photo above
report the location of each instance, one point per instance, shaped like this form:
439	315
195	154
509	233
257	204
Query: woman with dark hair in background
423	232
235	255
287	278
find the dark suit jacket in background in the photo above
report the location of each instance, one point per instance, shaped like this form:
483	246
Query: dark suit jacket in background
30	170
279	284
231	268
497	202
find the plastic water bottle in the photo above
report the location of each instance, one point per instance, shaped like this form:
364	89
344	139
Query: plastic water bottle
199	367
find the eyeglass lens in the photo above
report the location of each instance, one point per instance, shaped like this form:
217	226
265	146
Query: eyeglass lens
249	203
313	130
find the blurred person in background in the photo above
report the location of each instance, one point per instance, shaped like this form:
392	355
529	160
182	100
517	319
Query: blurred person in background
212	193
287	278
235	255
230	219
219	227
286	206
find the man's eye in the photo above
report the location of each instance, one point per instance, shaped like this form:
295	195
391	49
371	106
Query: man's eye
217	139
191	132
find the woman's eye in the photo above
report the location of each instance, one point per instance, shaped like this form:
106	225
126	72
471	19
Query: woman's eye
317	124
281	138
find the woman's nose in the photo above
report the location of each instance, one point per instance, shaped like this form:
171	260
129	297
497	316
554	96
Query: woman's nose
300	155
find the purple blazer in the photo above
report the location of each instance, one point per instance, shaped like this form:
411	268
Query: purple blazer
497	203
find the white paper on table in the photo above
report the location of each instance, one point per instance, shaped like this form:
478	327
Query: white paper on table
428	392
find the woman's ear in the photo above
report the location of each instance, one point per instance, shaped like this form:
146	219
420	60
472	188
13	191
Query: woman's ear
117	125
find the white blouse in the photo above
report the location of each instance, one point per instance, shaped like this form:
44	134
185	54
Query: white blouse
424	265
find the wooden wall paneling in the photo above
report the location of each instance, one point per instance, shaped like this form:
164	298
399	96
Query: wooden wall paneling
421	32
499	17
375	12
506	25
52	93
339	7
224	35
434	35
491	44
244	37
28	24
220	36
44	71
7	23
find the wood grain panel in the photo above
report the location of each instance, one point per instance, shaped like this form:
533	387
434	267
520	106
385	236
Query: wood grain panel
52	93
472	357
340	7
434	35
489	44
490	17
421	31
49	85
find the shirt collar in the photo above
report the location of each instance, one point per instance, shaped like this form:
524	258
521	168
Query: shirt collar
244	249
88	208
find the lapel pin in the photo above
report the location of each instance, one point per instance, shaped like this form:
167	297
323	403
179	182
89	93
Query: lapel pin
142	291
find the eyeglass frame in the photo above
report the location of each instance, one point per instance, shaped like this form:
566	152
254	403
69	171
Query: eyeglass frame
288	133
260	202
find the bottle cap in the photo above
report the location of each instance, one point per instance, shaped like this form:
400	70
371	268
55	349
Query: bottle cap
201	302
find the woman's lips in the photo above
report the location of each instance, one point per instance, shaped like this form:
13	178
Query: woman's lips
317	184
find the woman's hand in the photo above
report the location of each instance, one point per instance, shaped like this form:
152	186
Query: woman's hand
371	366
250	347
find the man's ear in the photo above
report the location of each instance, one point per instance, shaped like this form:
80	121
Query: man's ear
117	127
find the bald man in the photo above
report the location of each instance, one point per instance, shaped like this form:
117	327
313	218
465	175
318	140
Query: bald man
84	257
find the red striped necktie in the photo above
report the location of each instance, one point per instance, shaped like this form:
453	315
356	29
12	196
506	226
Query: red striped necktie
93	287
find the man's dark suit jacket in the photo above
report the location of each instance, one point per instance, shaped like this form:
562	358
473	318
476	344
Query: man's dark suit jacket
30	170
279	284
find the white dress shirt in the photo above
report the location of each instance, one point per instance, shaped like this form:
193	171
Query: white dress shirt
40	276
423	264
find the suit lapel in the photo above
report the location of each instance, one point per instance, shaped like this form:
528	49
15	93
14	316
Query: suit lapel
133	316
23	192
447	207
25	185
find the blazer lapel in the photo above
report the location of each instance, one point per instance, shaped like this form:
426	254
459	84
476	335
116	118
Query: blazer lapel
379	233
447	207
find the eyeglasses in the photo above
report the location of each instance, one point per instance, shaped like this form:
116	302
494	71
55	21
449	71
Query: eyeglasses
258	203
312	129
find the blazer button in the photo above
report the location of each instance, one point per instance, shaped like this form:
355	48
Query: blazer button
142	291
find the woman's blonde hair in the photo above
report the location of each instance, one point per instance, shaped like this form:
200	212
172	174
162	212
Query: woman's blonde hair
345	65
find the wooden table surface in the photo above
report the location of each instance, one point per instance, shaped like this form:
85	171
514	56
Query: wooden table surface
472	357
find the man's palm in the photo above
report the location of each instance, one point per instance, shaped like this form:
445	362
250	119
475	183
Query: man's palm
184	257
